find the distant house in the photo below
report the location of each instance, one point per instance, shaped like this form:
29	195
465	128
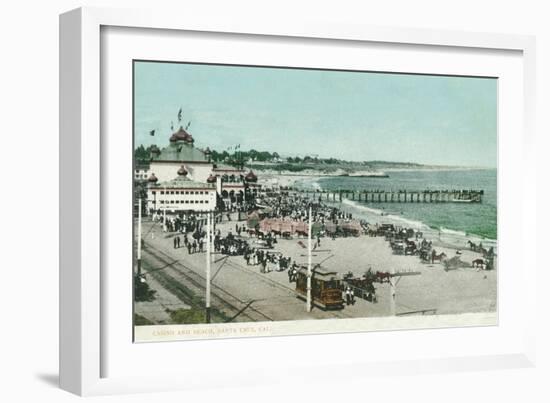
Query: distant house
141	172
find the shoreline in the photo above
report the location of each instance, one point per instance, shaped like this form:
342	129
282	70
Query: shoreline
446	237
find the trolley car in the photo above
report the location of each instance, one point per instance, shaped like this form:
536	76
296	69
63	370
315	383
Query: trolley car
326	291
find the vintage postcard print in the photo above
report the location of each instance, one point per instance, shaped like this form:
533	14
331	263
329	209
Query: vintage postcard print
281	201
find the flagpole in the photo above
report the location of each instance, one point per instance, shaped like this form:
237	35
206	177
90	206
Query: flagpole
208	259
308	307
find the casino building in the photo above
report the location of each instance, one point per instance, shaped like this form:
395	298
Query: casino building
183	177
180	194
181	150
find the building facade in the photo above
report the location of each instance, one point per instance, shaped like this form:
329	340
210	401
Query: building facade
183	178
181	150
180	194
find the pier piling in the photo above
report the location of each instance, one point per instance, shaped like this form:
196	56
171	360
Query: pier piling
397	196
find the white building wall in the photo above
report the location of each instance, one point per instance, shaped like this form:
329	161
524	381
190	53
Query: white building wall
199	172
181	199
166	171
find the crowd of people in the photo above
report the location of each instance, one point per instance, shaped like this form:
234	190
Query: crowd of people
268	260
194	245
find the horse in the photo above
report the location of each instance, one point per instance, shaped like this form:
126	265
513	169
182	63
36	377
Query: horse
383	277
478	263
440	257
472	245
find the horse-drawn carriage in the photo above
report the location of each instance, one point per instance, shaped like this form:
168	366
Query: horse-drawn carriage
352	228
385	229
410	248
398	246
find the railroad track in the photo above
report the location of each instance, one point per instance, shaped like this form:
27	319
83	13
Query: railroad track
267	280
220	298
224	297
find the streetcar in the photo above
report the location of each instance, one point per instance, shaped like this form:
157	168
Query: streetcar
326	291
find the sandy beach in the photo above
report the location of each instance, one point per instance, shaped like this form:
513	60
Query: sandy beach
434	290
448	292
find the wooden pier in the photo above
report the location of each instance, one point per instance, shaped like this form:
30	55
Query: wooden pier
396	196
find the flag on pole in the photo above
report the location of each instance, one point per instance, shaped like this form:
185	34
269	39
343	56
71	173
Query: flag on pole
188	125
180	115
152	132
172	126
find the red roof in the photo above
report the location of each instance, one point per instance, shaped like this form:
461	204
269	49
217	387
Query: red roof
182	135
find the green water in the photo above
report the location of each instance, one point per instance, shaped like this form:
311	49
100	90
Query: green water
450	218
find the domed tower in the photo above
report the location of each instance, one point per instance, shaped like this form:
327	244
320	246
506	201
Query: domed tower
251	177
211	179
181	136
152	180
182	171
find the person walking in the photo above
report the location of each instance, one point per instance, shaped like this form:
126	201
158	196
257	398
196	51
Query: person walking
175	242
348	295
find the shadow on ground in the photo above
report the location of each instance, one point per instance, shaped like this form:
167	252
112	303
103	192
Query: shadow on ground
49	379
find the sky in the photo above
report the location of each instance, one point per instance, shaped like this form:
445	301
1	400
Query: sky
357	116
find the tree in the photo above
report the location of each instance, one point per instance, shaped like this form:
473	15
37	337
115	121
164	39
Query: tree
141	154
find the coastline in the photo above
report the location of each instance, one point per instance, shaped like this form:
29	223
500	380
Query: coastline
444	237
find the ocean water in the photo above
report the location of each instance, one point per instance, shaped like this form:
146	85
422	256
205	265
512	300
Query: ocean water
453	222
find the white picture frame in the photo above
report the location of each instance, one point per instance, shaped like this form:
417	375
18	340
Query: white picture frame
83	342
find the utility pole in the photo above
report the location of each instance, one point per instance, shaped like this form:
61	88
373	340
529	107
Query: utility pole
393	280
309	273
208	259
164	226
139	240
